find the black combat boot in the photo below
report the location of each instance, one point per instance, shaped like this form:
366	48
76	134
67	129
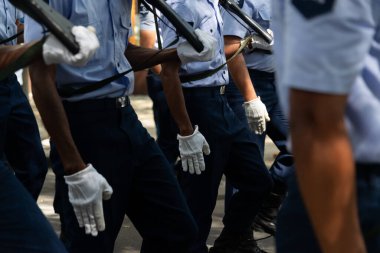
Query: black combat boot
235	244
265	220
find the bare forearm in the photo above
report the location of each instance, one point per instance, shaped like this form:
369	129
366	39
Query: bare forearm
325	171
242	80
148	40
174	96
231	45
54	117
9	54
144	58
237	68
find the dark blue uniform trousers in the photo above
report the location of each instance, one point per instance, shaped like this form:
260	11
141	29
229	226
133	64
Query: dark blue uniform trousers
144	185
23	227
294	230
277	127
22	143
232	154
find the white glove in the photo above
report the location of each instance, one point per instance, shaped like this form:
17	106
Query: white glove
271	34
87	189
257	115
187	53
190	149
54	51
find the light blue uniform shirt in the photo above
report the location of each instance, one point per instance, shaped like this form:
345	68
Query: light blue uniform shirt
205	15
112	22
335	53
146	19
260	11
8	16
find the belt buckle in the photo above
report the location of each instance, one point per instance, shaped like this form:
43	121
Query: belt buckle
222	89
121	102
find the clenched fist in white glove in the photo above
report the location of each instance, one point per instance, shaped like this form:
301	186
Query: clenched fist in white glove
87	189
191	149
187	53
53	51
257	115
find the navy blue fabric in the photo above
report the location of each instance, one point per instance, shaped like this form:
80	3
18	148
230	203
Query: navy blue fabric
23	227
144	185
165	125
233	154
277	127
22	141
295	233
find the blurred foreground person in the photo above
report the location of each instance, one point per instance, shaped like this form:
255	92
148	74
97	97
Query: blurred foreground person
328	56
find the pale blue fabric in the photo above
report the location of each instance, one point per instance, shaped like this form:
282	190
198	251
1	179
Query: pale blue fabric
146	19
8	16
111	20
260	11
206	16
335	53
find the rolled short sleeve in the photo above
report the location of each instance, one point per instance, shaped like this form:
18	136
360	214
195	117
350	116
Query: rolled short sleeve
326	52
146	19
232	27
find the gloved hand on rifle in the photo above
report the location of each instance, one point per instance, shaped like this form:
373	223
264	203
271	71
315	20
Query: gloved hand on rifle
54	51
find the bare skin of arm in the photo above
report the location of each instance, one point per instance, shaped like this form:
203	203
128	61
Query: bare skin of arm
147	40
20	27
9	54
142	58
53	115
174	96
238	69
325	169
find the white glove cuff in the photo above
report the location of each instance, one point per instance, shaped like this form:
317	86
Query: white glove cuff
253	101
180	137
73	177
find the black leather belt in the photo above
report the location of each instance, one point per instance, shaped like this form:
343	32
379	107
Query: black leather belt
94	104
220	90
261	74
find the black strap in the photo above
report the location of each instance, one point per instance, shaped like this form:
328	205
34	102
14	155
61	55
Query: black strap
67	91
159	42
204	74
12	37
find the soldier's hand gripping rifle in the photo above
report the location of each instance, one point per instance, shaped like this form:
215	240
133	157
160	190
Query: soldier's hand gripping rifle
263	40
68	51
181	26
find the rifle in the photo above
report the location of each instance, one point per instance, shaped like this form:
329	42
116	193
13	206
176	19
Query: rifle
232	6
182	27
54	21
